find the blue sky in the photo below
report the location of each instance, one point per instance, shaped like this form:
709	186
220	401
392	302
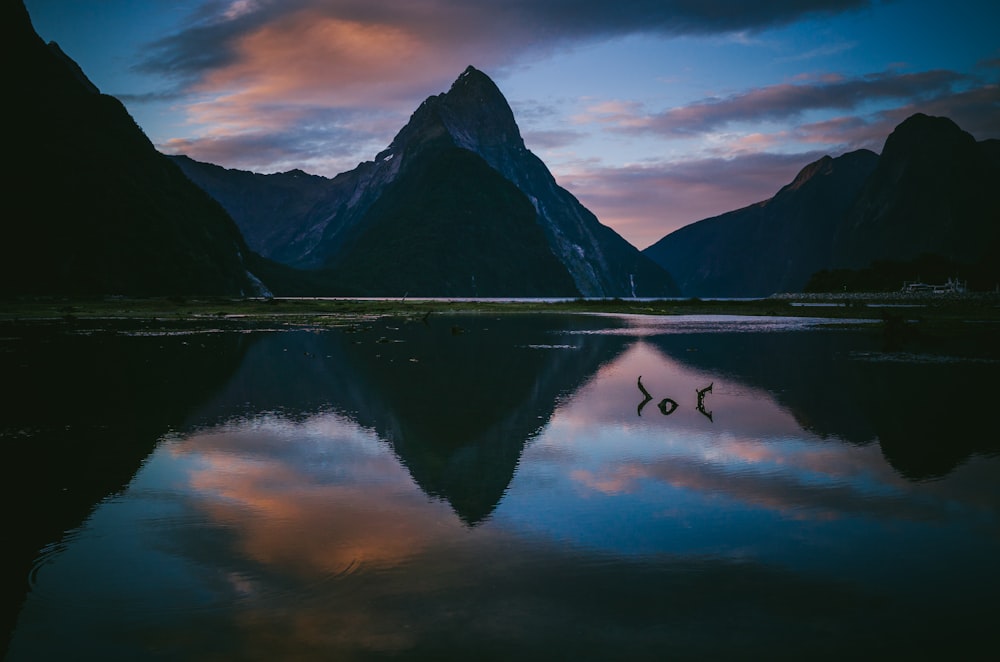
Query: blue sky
654	114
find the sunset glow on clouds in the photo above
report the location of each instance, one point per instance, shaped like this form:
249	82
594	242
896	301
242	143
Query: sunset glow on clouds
653	114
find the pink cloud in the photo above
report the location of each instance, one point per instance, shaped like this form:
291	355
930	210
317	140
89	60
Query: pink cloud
681	192
784	101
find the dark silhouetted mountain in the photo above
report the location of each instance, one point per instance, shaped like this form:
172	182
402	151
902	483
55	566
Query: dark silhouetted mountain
452	226
771	246
93	208
328	231
932	191
257	200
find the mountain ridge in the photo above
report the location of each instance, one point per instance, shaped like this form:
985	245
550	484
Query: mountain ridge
769	246
930	191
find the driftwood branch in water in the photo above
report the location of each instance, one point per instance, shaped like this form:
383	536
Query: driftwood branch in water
646	396
643	389
663	406
667	406
701	400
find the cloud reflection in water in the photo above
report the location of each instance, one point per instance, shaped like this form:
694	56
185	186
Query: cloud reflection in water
307	536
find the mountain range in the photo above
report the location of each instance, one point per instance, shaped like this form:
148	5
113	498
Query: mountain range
933	190
456	205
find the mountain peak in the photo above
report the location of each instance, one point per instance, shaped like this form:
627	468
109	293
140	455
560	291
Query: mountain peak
476	113
473	79
860	159
470	71
921	133
922	122
473	113
814	169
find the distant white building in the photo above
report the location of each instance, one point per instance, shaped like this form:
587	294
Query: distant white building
951	286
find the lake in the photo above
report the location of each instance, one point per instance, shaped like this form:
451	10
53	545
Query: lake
501	487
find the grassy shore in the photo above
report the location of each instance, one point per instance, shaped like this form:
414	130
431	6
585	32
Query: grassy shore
223	312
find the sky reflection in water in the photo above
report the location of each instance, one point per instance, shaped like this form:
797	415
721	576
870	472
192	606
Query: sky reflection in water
282	533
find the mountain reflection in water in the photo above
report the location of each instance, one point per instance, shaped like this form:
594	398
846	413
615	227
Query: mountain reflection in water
478	487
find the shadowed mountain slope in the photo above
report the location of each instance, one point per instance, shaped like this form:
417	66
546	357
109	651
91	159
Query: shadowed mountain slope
771	246
93	207
453	227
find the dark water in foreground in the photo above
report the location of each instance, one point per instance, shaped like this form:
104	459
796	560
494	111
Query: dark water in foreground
497	488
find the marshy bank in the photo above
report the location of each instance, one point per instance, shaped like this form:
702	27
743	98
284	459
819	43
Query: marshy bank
306	311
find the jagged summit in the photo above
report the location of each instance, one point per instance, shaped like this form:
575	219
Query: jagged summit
473	114
476	112
473	81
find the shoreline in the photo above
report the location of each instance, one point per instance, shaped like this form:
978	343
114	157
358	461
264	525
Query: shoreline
293	311
983	298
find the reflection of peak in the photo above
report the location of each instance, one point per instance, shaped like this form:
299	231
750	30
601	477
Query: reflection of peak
459	416
456	409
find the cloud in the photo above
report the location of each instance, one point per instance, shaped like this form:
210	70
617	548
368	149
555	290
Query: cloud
855	130
790	494
343	53
215	32
348	72
672	17
821	51
551	139
975	110
782	102
679	192
739	169
319	140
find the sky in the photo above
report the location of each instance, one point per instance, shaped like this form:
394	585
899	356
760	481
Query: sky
653	113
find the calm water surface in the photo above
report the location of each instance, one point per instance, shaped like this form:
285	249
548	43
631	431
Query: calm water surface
478	487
